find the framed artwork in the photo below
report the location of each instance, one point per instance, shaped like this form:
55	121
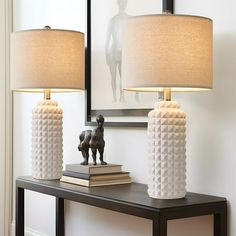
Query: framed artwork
104	94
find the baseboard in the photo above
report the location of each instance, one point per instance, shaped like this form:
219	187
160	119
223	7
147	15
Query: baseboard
28	232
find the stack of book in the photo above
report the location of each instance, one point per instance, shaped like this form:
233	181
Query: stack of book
95	175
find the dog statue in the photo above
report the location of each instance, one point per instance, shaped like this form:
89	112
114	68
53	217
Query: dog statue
94	140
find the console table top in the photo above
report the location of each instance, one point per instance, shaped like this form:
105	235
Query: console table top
128	194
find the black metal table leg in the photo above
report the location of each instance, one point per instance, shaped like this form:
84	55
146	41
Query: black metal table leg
20	216
155	226
60	219
220	222
163	226
159	226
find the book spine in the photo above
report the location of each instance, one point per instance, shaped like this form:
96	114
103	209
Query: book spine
76	175
77	170
77	181
90	170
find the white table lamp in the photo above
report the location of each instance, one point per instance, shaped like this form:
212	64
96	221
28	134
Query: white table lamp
47	60
167	53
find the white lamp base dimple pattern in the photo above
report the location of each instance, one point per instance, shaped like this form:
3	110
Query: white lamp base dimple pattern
47	149
167	152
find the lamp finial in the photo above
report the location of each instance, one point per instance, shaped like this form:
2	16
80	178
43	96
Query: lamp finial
47	27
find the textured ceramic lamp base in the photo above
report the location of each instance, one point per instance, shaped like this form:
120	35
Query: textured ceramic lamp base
167	152
47	141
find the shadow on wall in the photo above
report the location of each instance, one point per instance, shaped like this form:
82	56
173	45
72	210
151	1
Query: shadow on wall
211	121
225	95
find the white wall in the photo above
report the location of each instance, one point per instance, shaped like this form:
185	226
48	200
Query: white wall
2	113
211	129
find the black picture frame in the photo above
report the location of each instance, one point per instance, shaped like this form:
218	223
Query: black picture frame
90	114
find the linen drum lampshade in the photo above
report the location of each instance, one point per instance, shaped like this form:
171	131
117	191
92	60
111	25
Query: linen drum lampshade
47	60
167	53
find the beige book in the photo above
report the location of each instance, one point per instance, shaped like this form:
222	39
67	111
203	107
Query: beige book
93	183
93	169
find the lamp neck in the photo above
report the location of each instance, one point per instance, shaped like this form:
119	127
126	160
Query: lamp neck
168	6
167	94
47	94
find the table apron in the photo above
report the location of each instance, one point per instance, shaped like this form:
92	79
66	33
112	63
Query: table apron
194	211
97	201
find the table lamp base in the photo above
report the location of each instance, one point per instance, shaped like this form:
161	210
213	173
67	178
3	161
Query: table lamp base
47	147
167	158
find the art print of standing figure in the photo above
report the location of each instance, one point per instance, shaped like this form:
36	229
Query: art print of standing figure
114	49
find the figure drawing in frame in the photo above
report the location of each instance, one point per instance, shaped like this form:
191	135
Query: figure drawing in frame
114	48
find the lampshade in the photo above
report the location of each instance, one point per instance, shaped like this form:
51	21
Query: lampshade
47	59
173	51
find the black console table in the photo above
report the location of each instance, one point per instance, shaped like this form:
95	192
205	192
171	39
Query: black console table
130	199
